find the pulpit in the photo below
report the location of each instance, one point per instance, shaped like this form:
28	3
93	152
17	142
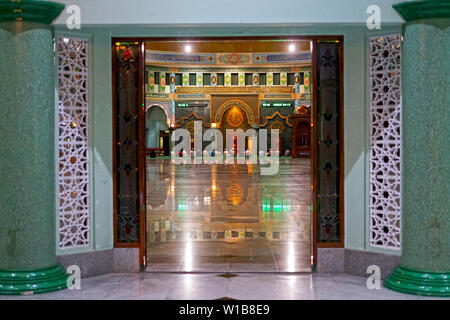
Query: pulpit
301	133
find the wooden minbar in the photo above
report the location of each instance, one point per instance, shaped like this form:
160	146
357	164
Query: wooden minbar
301	133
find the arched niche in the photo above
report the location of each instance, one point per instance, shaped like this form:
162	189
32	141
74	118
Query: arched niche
155	122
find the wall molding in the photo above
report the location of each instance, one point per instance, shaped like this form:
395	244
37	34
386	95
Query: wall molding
354	262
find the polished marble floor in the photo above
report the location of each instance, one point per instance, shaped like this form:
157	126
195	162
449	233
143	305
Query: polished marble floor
228	217
191	286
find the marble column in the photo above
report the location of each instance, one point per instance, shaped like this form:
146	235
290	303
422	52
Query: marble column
27	149
425	263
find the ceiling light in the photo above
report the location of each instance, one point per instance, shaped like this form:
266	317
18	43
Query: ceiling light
291	47
187	48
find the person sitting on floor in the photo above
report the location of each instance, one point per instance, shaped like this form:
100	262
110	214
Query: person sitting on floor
287	153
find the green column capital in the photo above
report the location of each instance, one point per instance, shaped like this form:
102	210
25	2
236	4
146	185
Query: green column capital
423	9
30	10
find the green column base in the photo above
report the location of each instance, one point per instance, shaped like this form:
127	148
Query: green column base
31	282
420	283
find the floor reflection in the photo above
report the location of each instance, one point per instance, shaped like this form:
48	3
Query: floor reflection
228	217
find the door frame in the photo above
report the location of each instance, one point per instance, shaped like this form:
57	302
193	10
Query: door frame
141	151
314	62
314	186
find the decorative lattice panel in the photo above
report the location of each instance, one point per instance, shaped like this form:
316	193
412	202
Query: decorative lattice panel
385	141
73	143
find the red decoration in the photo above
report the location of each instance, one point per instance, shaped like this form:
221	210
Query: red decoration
127	55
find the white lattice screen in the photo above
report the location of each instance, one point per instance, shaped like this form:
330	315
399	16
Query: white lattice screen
73	142
385	141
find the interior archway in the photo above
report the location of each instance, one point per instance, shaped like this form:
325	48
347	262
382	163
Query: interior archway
156	122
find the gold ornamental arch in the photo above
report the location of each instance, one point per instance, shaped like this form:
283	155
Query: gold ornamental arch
234	103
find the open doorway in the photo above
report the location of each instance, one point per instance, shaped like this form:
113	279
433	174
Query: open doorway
227	217
157	134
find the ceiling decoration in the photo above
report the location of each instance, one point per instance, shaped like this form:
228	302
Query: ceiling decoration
282	57
174	58
224	46
234	58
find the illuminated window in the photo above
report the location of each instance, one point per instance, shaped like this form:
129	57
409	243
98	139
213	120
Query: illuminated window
276	79
178	79
220	79
290	79
262	79
248	79
192	79
234	79
207	79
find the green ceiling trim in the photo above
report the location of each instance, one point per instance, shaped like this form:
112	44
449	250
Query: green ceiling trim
420	10
30	10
